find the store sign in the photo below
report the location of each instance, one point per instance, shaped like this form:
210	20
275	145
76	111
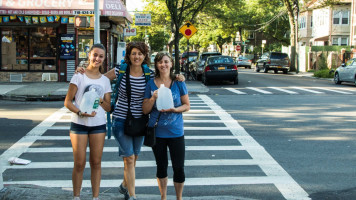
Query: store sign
129	32
67	46
143	19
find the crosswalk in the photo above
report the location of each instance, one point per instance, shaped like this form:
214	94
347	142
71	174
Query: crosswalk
219	153
292	90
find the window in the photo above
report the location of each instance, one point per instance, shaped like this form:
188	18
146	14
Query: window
311	21
341	17
343	41
340	41
302	23
251	35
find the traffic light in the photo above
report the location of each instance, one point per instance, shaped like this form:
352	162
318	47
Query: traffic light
81	22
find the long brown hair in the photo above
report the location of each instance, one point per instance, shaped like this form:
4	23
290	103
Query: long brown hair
99	46
158	58
140	46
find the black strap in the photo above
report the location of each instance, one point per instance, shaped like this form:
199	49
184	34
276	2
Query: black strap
128	89
159	115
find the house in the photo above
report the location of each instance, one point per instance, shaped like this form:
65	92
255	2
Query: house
353	23
325	25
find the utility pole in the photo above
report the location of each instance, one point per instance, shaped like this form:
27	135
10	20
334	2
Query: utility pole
296	13
96	22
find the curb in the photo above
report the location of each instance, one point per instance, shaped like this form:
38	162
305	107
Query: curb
32	98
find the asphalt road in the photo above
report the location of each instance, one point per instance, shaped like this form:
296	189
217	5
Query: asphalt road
273	136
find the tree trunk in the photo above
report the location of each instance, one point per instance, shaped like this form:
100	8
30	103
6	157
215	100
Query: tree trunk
176	50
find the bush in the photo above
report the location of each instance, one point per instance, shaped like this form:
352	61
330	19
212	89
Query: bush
324	73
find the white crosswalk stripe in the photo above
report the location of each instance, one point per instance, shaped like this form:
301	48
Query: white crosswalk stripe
290	90
227	137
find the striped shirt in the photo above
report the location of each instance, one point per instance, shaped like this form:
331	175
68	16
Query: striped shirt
138	86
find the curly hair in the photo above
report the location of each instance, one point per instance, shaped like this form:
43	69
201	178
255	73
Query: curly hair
158	58
140	46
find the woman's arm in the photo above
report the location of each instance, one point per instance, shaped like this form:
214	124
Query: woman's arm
147	104
183	108
111	74
68	101
106	102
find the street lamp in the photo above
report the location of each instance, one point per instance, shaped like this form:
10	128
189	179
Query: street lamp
96	22
296	12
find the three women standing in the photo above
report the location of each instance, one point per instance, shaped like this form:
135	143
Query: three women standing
88	126
170	130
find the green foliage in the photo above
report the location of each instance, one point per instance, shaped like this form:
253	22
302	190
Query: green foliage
324	73
322	62
330	48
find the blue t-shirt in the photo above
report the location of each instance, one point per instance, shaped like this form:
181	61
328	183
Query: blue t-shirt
170	125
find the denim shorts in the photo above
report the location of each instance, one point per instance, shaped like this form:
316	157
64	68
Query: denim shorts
128	145
82	129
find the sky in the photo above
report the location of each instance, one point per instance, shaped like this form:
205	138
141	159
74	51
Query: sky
131	5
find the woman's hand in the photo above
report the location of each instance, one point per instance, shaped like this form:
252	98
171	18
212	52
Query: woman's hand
155	95
80	70
89	115
169	110
180	77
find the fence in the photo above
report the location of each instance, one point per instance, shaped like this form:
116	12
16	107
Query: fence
328	59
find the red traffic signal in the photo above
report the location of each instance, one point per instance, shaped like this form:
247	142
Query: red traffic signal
81	22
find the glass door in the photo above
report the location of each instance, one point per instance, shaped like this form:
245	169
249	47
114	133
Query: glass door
84	44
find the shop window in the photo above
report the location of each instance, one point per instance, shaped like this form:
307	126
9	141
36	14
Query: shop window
43	43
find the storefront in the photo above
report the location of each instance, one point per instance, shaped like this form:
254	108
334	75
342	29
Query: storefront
44	45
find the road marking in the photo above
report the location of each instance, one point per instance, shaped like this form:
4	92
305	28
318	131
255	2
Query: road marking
326	89
288	187
259	90
185	128
307	90
203	137
116	164
25	142
114	149
283	90
235	91
153	182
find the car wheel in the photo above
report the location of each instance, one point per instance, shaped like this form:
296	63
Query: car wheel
257	68
236	81
276	71
285	71
199	77
337	79
265	68
205	80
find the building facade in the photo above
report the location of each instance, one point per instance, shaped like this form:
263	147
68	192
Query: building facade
40	41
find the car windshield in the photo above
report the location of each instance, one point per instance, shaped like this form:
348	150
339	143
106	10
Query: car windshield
185	54
243	58
214	60
205	56
279	55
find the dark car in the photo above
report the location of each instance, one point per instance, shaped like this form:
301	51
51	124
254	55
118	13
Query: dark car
220	68
199	64
273	61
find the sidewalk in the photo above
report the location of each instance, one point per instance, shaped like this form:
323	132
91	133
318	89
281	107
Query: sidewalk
56	91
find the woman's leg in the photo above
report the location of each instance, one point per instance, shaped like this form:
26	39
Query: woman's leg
129	174
177	151
79	145
96	144
160	153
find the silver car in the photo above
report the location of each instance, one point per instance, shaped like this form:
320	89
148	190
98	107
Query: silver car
346	72
243	62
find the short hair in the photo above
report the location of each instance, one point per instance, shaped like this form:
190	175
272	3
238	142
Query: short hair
158	58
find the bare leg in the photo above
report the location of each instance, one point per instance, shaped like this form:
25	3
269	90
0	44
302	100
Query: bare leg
162	185
129	174
179	190
79	145
96	144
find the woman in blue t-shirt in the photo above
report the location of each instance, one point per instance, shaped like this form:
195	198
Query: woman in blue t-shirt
170	131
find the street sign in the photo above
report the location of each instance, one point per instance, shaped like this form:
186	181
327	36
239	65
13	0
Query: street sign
129	32
188	30
238	48
142	19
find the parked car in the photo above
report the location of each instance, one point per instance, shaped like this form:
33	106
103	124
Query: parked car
184	56
273	61
220	68
243	62
199	64
346	72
